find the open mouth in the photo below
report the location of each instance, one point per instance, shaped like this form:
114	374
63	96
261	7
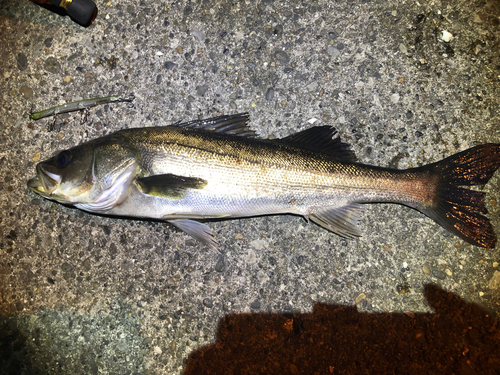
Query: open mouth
36	185
44	182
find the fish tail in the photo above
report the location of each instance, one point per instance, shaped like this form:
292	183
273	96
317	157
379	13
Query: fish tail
458	209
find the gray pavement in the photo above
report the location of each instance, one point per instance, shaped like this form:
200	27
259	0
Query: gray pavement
86	294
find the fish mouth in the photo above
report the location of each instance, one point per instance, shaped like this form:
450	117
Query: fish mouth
45	182
36	185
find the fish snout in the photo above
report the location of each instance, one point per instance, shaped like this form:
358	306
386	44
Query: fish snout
45	181
35	185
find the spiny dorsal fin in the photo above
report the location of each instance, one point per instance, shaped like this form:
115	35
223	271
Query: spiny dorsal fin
322	139
169	185
228	124
341	220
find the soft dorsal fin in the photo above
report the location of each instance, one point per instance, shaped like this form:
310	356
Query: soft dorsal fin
322	139
169	185
228	124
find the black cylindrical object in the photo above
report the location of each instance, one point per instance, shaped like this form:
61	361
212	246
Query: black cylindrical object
82	11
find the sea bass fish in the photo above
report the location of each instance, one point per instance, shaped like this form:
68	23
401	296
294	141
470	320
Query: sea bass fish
217	168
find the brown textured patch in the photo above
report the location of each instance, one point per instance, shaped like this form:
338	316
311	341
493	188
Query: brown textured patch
459	338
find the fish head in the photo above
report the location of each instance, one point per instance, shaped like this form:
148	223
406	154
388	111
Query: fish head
94	176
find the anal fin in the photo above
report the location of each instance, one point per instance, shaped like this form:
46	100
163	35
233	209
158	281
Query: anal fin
197	230
342	220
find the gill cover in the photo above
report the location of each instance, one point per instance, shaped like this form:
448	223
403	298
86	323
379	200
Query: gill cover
115	165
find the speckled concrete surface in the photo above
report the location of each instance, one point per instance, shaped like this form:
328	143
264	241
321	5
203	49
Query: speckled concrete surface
87	294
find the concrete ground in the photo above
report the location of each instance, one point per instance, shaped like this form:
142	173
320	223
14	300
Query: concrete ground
86	294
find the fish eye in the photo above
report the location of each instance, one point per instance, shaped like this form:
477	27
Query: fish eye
63	158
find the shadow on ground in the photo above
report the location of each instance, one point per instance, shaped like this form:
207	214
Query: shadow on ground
460	338
52	341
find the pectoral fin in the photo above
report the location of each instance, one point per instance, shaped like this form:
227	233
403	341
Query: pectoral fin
197	230
341	220
169	185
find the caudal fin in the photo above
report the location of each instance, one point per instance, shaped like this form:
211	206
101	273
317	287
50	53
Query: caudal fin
461	210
